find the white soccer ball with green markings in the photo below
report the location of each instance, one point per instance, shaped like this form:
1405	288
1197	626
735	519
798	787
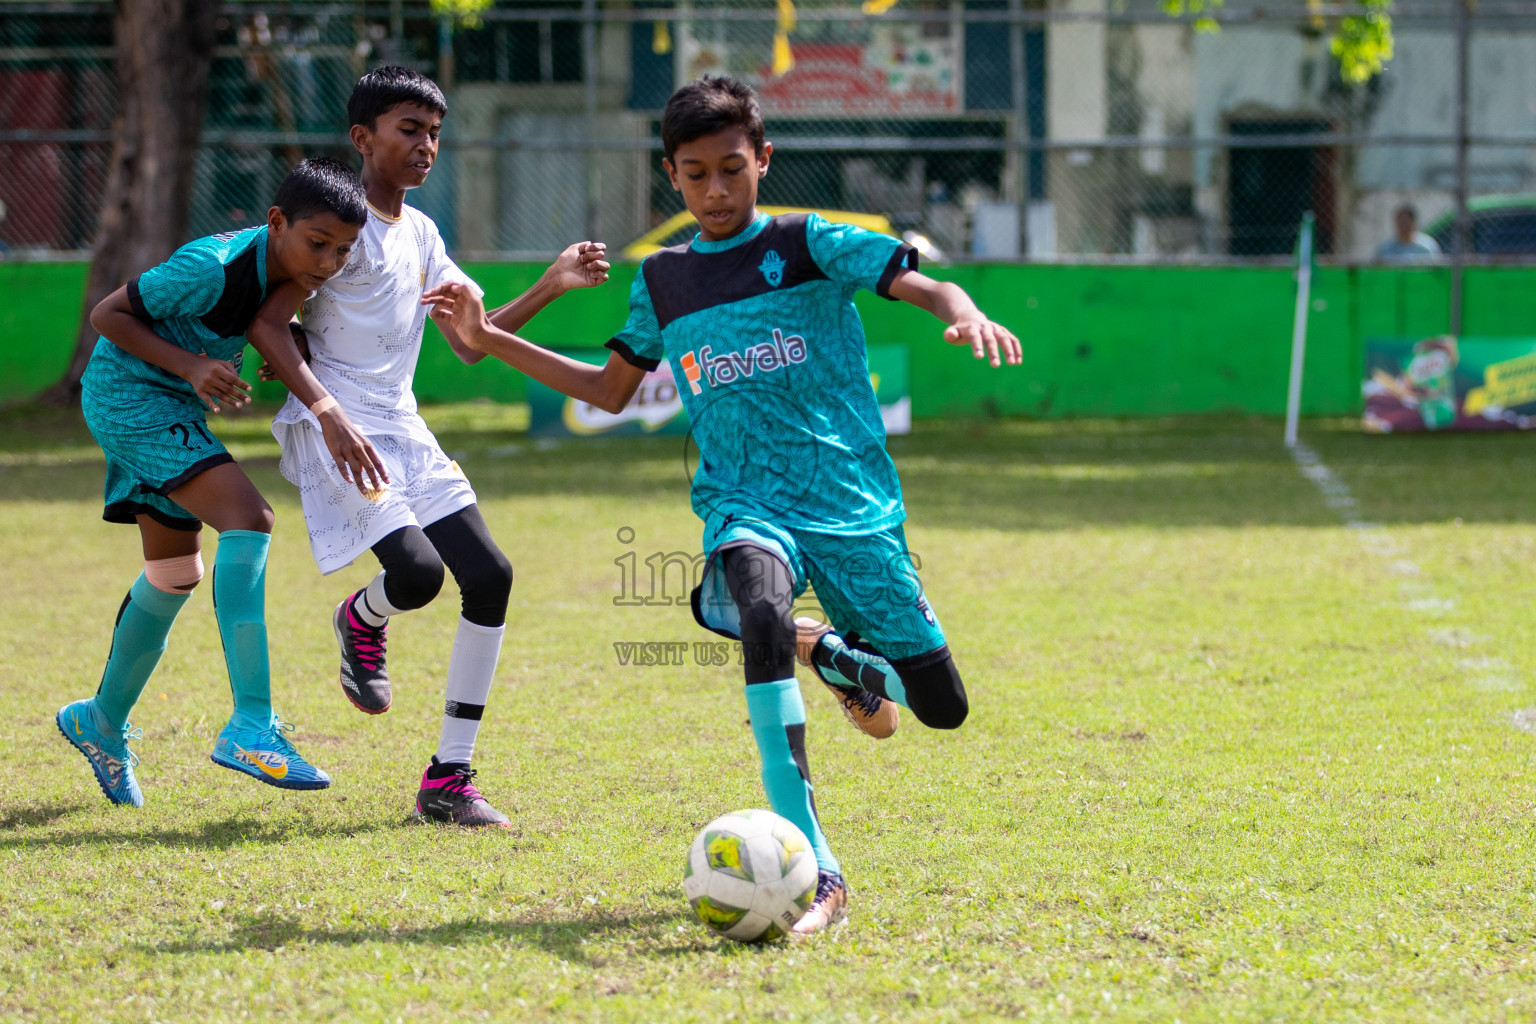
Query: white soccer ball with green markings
751	875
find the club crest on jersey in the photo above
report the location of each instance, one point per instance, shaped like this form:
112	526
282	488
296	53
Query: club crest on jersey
729	367
772	268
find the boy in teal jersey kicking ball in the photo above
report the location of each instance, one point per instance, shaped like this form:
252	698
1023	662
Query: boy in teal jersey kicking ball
794	484
171	344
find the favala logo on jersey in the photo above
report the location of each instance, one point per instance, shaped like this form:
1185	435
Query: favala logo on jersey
729	367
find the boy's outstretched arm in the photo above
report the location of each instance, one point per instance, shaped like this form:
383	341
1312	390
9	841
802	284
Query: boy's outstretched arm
609	387
967	324
583	265
269	333
214	380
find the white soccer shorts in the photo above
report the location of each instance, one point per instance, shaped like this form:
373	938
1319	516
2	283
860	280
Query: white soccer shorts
424	486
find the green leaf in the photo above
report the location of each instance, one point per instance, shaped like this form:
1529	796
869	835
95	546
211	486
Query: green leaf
463	13
1361	42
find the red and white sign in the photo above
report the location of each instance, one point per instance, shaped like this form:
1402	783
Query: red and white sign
897	72
838	79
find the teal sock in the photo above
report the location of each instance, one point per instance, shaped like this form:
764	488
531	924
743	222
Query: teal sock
778	725
138	640
844	666
240	604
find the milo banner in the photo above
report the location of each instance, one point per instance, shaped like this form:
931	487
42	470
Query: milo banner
1448	383
657	409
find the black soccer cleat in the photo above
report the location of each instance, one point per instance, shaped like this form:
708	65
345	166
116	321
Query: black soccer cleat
448	796
364	676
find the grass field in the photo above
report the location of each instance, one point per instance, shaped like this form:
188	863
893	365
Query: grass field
1229	758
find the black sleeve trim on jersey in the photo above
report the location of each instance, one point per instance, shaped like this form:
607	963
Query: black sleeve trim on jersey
629	356
136	301
904	258
237	304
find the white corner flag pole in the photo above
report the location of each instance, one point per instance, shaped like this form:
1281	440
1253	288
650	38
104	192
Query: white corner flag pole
1299	333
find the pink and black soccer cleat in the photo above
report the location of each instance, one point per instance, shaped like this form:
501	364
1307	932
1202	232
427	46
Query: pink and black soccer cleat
448	796
364	677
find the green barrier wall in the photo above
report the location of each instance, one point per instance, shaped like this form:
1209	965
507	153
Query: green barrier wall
1098	341
39	314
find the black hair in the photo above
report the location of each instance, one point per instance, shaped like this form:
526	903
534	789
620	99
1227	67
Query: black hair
322	185
709	105
385	88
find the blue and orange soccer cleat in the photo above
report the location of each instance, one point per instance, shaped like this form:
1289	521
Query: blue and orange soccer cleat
264	753
111	760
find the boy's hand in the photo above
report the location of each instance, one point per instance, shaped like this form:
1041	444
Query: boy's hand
455	305
583	265
355	457
217	381
988	340
266	373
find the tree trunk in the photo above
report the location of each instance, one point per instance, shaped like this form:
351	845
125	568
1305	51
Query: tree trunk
163	51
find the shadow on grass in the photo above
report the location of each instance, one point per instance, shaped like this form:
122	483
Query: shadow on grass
1009	475
213	835
564	938
33	817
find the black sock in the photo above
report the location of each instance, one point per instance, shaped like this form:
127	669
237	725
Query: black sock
439	770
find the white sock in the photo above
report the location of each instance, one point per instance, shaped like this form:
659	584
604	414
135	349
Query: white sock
372	606
471	669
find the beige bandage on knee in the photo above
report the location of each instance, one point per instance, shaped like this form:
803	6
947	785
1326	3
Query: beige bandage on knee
175	575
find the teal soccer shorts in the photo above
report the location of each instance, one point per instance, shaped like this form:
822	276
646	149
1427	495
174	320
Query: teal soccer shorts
865	584
155	442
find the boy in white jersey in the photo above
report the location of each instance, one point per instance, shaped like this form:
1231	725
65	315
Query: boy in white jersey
362	334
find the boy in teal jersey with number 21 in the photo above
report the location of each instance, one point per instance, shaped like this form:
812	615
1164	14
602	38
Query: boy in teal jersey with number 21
170	349
794	485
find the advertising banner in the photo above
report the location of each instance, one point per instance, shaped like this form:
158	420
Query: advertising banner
866	69
1448	383
891	77
657	409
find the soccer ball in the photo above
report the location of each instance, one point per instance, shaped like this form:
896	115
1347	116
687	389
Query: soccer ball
750	876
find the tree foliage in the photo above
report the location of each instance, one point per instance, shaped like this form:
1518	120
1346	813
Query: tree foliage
163	50
463	13
1362	42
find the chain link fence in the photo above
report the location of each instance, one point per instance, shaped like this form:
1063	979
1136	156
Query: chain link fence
1099	130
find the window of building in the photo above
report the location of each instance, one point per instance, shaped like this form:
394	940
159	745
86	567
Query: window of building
539	52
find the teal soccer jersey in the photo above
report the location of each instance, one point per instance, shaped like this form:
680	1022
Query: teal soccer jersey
768	353
201	299
150	422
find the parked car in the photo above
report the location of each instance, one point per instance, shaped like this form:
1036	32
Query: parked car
1501	226
680	227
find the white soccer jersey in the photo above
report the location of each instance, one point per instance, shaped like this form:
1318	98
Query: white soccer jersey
365	328
365	325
